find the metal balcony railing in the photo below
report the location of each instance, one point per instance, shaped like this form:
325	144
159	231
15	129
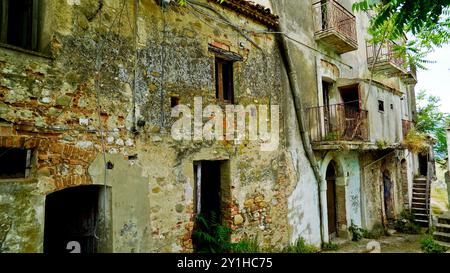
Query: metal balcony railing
331	16
383	55
338	122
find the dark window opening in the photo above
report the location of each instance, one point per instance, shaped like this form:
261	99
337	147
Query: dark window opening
326	88
350	96
224	81
392	106
76	215
212	196
380	105
19	23
14	162
423	164
174	101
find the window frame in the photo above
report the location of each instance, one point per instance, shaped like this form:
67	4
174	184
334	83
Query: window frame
381	103
34	43
224	88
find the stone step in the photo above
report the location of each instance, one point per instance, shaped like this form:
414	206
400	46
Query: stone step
420	214
442	243
421	222
444	221
422	178
419	204
442	236
419	194
419	190
443	227
419	209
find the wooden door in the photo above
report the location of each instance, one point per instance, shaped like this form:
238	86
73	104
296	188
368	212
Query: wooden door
331	205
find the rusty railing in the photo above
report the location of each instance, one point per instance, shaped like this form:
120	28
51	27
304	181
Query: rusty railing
386	54
337	122
330	15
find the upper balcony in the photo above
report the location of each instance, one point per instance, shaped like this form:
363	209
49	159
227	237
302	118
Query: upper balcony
335	26
337	123
411	76
383	59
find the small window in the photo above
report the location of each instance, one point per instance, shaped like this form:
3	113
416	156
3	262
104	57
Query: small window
380	105
19	23
14	163
392	106
224	81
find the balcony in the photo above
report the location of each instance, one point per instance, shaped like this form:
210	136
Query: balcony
335	26
383	60
338	122
411	76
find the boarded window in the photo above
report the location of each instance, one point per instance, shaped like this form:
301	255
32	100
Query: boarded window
224	81
19	23
14	163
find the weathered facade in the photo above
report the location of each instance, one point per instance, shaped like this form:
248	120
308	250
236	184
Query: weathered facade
86	100
360	104
90	104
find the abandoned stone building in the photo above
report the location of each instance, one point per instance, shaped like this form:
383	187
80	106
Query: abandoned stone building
87	153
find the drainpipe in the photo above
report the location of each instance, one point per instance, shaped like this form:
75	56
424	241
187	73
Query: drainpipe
295	91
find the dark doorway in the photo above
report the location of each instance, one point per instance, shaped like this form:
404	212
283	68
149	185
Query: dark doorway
423	164
388	196
351	111
326	88
350	96
331	199
212	194
73	214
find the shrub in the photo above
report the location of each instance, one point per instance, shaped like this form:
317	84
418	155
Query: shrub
300	247
357	232
416	142
405	224
330	246
377	232
429	245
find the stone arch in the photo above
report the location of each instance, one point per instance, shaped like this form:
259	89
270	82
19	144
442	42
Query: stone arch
333	194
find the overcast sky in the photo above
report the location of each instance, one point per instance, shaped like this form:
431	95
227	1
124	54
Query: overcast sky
436	80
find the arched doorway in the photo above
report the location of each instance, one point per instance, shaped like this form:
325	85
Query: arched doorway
331	199
404	176
76	215
388	187
336	200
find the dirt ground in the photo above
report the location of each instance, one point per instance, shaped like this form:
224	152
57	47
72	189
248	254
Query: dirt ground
396	243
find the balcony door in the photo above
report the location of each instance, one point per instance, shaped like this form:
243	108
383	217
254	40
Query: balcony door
326	89
351	99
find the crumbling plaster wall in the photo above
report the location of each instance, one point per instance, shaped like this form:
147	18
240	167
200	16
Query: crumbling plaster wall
51	105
